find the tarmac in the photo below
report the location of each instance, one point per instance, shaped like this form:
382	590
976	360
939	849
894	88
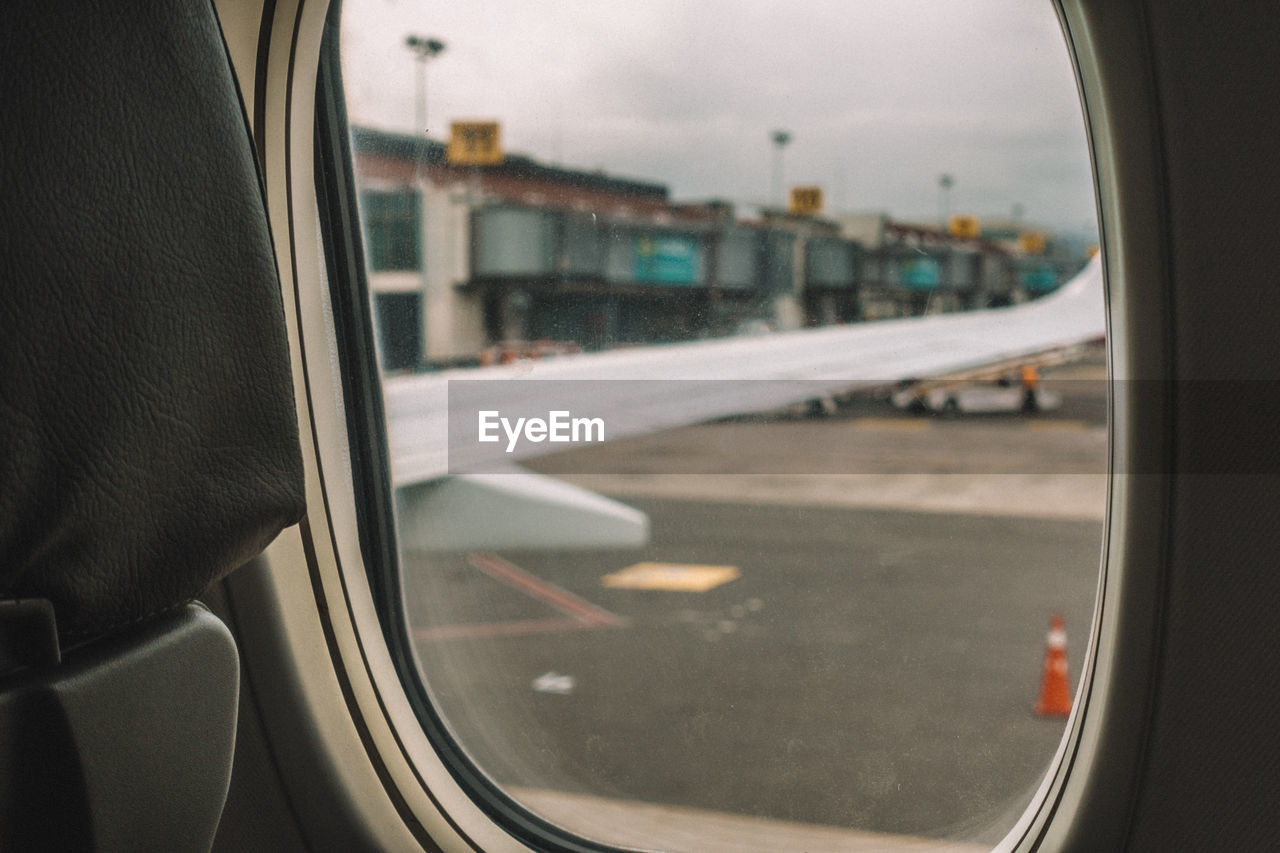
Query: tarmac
796	660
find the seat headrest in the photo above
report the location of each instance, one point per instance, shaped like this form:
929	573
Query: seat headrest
146	409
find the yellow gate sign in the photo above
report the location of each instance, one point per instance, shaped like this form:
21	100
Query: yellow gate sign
806	201
963	226
1031	242
474	143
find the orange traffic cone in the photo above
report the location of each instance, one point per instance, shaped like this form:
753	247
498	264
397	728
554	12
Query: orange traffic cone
1055	694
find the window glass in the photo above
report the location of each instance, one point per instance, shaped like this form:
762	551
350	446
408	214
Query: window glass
392	223
747	405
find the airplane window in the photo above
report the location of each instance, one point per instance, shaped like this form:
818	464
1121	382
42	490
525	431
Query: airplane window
745	387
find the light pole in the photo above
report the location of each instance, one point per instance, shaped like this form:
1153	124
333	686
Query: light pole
423	49
945	182
780	139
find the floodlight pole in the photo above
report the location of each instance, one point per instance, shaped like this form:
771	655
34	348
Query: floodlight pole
423	49
945	182
780	139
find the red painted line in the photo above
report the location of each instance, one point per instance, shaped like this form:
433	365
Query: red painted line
517	628
561	599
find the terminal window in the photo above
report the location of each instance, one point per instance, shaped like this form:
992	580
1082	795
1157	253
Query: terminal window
392	222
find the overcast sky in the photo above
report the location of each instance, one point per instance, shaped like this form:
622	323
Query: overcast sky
880	97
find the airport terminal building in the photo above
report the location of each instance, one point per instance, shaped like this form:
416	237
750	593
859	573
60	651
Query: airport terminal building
472	261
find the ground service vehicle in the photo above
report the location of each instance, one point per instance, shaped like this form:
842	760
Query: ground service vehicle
149	461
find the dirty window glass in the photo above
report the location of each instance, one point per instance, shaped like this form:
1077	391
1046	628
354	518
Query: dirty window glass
746	394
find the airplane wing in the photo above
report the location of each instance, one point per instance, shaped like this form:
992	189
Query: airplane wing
445	486
783	368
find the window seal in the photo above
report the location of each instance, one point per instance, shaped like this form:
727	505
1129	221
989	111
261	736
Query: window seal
349	291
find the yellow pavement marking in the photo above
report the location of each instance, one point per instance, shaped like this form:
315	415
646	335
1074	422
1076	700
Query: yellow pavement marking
675	577
891	424
1057	426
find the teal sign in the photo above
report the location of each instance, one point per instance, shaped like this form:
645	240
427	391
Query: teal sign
921	272
667	259
1042	277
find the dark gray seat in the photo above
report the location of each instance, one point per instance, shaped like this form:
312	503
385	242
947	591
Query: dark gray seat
146	418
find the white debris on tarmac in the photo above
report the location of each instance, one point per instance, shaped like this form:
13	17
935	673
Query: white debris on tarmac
552	682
